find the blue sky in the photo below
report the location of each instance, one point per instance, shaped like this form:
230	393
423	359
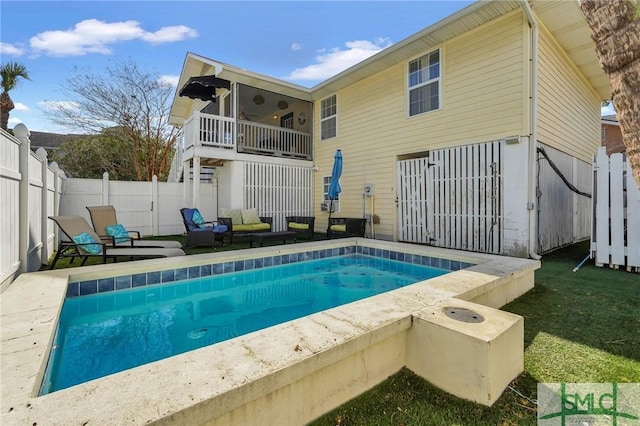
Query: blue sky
304	42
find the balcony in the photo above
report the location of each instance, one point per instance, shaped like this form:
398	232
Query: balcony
203	130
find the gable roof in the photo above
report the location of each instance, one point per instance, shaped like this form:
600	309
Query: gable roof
563	19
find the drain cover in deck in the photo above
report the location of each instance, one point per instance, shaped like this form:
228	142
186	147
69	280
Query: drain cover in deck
464	315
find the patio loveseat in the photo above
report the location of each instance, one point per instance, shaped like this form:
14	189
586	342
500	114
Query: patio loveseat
244	221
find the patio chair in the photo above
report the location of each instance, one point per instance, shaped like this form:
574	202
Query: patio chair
106	225
200	232
346	227
83	242
301	224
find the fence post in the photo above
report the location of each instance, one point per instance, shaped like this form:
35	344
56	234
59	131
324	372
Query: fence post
185	183
21	133
57	190
195	201
105	189
42	155
155	226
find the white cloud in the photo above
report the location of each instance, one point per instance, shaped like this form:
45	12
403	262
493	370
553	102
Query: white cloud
94	36
13	121
338	59
10	49
171	80
607	110
19	106
56	105
296	46
170	34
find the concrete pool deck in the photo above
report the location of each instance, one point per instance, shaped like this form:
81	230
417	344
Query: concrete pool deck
290	373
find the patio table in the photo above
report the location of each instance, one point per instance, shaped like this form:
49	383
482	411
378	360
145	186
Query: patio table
256	239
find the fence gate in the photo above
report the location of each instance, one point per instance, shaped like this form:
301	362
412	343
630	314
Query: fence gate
453	198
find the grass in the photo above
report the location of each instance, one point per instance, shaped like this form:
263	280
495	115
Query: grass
580	327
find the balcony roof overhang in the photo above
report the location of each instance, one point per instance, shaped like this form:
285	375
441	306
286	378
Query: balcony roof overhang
196	65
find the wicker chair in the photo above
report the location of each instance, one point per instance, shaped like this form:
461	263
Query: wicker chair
346	227
202	233
301	224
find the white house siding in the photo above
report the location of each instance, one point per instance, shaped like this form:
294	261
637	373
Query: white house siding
482	100
568	109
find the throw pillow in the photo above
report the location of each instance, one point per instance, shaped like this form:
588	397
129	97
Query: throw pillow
88	243
250	216
234	214
197	219
118	232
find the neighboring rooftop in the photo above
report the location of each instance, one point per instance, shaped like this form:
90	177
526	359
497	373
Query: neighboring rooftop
49	141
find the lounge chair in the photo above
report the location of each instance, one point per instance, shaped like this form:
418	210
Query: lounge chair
200	232
301	224
106	225
346	227
83	242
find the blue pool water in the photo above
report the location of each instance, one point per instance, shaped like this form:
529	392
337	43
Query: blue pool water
105	333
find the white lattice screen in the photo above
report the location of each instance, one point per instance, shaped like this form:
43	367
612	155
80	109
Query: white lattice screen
278	191
453	198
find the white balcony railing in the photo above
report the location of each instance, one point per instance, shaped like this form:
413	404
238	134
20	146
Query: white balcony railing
271	140
253	138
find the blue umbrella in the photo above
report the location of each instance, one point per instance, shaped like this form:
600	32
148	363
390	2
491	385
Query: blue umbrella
334	186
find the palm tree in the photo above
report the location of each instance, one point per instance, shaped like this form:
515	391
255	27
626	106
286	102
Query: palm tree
10	72
615	29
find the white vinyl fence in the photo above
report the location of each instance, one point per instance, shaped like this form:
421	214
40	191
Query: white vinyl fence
30	190
615	237
152	208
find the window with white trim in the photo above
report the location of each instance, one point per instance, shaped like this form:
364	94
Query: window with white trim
328	118
424	83
328	204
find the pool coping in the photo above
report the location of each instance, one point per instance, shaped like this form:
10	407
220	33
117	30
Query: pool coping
30	306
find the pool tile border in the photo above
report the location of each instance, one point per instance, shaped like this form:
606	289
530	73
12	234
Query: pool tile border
103	285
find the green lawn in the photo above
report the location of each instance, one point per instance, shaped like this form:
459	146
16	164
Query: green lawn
580	327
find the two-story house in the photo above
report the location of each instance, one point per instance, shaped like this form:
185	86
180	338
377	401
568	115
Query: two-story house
446	136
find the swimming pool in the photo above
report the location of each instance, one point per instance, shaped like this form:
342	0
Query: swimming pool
288	373
108	332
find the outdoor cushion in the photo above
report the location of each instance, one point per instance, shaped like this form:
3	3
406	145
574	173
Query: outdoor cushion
118	232
295	225
197	219
250	216
234	214
88	243
252	228
220	229
339	228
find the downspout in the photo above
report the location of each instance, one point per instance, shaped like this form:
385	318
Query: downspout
533	138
